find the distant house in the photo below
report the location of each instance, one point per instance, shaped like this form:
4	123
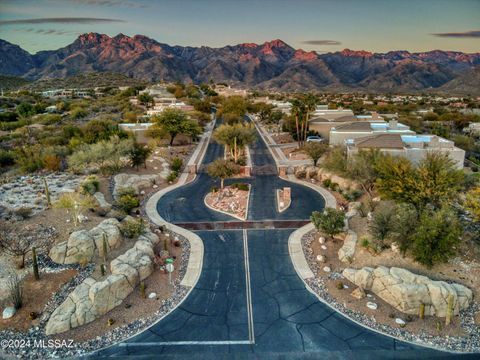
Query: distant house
358	129
157	91
412	147
139	131
322	120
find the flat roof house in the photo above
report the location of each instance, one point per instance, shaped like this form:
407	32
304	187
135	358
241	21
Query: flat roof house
412	147
322	120
354	130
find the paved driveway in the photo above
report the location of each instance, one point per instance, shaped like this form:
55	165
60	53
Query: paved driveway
249	301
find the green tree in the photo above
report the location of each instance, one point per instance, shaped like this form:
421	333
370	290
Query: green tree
434	181
25	110
235	137
174	122
233	107
315	151
298	112
146	99
436	236
362	168
382	224
222	169
330	221
405	219
139	154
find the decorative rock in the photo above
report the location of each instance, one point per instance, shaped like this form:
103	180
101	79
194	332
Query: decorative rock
102	201
395	248
358	293
91	299
320	258
327	269
321	240
347	251
323	247
400	322
134	181
372	305
152	295
8	312
82	219
405	290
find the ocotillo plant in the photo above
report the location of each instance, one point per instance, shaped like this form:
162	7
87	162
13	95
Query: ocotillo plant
422	311
448	319
35	264
142	290
105	248
47	192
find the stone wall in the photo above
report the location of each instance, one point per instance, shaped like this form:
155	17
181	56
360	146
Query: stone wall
405	290
94	298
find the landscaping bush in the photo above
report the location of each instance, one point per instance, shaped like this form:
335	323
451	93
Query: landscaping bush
214	189
301	174
172	176
176	164
330	221
352	195
7	158
90	185
132	228
326	183
15	290
127	200
240	186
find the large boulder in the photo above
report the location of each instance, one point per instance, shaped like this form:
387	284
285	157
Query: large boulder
92	299
405	290
347	251
82	245
134	181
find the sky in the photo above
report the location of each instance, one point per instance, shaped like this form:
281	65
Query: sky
319	25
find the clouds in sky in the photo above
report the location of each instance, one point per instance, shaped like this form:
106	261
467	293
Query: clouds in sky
123	3
465	34
59	20
321	42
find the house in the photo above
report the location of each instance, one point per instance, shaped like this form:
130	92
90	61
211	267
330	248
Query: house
358	129
157	91
322	119
412	147
139	130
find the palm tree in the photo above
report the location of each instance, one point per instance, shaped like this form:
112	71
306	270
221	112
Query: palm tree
310	103
298	109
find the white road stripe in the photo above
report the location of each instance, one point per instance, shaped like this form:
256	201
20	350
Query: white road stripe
251	331
170	343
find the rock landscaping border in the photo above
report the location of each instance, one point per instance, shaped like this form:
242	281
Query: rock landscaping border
230	214
317	286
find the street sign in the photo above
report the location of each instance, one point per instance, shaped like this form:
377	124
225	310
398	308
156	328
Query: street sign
169	261
169	267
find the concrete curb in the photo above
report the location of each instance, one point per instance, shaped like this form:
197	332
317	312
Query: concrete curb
303	270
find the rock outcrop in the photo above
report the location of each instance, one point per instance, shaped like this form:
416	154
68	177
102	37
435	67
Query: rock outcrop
134	181
405	290
347	251
91	299
82	245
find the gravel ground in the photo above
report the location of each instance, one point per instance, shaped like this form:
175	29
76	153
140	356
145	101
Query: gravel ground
470	343
29	351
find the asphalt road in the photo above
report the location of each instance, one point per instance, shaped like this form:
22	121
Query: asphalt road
249	301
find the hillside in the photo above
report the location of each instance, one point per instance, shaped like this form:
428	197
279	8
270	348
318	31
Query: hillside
271	65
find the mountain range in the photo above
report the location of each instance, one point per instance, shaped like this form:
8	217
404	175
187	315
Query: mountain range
271	65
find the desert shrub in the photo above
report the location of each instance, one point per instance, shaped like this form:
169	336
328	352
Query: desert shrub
352	195
7	158
172	176
15	290
176	164
240	186
75	203
127	200
326	183
29	159
364	242
52	162
214	189
78	113
107	156
301	174
436	236
330	221
90	185
132	228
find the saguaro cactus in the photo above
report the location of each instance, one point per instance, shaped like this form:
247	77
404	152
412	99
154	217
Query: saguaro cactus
47	192
105	246
142	290
448	319
422	311
35	264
